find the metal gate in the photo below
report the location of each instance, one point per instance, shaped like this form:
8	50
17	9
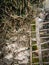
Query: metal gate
39	44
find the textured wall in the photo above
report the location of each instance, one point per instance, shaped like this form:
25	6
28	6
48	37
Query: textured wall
14	47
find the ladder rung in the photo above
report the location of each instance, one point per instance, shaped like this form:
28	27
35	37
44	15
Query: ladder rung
44	30
41	33
35	63
44	34
45	42
33	39
46	62
45	22
33	31
44	37
35	51
32	24
36	57
34	44
45	49
45	56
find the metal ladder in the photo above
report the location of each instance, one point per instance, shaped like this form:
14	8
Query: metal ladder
37	41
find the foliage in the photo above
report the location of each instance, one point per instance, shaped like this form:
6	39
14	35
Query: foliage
17	7
10	9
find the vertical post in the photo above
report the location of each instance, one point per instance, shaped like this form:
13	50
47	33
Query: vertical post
30	47
38	42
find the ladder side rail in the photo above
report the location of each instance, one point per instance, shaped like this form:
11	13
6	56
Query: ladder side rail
38	42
